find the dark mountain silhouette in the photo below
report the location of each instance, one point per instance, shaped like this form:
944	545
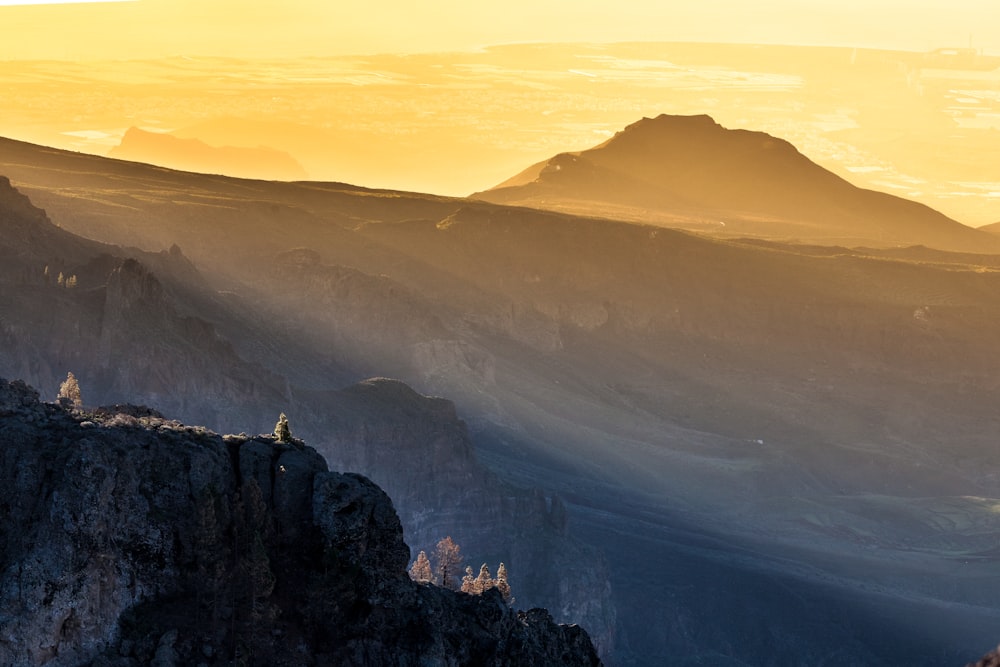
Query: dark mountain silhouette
139	327
197	156
794	444
130	539
690	172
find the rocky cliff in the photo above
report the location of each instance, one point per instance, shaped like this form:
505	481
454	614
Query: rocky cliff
418	449
815	408
991	659
129	539
144	328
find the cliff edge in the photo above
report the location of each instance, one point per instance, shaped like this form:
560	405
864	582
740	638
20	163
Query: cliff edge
129	539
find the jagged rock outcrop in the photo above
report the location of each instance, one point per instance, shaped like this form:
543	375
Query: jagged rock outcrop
143	331
419	450
129	540
991	659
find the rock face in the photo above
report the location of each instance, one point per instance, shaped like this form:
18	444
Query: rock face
642	373
147	331
129	540
418	449
991	659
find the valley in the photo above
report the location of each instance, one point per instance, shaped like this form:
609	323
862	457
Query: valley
781	449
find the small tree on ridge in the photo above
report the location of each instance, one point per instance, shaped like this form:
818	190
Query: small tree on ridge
484	581
282	433
69	392
448	560
501	582
420	571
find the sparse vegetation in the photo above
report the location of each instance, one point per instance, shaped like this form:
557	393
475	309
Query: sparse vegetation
477	585
69	390
501	583
282	432
448	560
420	571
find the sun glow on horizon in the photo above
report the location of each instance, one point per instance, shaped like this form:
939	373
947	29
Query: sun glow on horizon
11	3
444	111
93	29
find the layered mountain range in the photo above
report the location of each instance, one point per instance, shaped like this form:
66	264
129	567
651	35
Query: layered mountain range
785	452
139	336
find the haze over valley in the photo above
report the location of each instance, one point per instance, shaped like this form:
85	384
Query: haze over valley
743	407
698	339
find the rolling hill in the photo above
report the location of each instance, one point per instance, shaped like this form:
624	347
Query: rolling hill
692	173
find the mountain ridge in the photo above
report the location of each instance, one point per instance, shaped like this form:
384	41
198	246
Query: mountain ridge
131	539
197	156
692	172
784	398
145	327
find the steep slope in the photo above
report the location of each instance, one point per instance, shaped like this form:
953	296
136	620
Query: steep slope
132	337
822	418
688	171
195	155
420	452
114	318
128	539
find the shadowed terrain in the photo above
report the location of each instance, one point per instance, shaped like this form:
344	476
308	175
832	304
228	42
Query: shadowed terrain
129	540
133	326
812	425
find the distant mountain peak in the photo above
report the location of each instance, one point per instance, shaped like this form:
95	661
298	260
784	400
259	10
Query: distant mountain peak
672	121
693	173
698	131
190	154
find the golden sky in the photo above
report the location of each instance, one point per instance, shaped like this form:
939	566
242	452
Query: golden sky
145	28
461	118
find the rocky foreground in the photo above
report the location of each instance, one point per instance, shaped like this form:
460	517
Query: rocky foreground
129	539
